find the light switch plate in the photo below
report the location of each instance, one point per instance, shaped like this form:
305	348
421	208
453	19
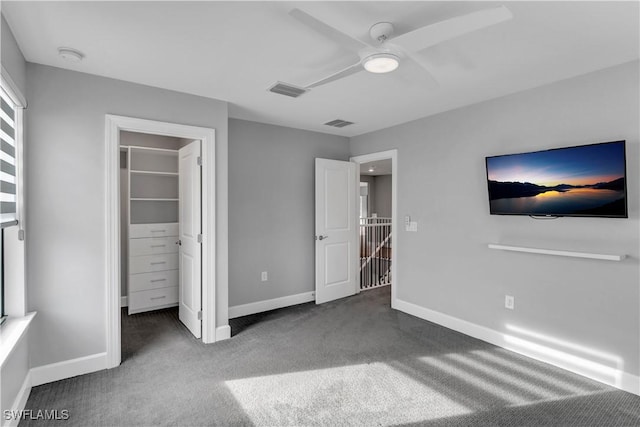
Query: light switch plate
509	302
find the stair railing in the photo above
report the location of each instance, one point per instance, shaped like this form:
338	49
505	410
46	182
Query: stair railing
375	252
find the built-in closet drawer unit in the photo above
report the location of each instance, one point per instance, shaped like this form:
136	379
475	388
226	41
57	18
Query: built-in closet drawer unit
152	299
153	246
150	263
156	280
138	231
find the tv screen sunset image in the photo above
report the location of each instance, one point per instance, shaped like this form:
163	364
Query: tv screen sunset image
588	180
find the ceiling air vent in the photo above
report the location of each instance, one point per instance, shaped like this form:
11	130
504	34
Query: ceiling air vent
338	123
287	90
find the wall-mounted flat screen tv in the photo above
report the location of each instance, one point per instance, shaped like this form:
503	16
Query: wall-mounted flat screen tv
586	180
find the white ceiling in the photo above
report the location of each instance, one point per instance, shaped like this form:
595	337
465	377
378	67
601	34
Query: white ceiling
380	167
234	51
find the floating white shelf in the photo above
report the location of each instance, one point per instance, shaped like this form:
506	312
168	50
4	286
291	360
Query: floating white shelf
607	257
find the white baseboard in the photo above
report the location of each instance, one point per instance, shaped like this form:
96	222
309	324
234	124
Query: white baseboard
67	369
630	383
223	333
579	365
124	301
270	304
19	403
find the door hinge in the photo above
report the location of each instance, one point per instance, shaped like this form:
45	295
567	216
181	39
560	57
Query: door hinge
200	315
199	161
199	238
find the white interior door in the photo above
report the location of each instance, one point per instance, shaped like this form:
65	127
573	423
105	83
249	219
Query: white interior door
189	229
336	230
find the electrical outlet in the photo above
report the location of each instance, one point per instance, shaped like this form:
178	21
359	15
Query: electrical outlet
264	276
509	302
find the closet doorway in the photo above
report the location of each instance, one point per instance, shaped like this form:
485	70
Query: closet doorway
160	224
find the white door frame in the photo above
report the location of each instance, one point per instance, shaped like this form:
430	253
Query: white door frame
383	155
113	126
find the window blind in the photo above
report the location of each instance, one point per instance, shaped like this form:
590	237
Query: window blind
8	185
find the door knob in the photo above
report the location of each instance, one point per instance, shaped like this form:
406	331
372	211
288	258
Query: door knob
322	237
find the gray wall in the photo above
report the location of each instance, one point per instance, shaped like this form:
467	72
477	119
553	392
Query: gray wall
148	140
14	371
379	194
124	218
382	191
371	200
12	59
447	267
271	206
66	199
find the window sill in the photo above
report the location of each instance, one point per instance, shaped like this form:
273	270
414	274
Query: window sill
11	332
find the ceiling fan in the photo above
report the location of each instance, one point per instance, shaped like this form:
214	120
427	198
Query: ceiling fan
386	51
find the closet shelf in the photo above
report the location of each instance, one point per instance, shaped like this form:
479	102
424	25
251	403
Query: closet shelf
152	199
573	254
155	173
167	151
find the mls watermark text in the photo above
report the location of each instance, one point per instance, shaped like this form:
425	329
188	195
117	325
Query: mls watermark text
36	414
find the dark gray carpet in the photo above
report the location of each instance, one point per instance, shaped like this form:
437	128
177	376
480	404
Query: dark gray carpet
349	362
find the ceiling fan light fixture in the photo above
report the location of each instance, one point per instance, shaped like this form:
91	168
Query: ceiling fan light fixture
381	63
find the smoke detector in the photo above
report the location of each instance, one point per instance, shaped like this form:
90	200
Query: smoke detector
69	54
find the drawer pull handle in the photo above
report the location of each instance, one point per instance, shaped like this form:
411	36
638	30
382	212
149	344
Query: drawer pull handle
163	296
158	246
158	280
160	262
157	231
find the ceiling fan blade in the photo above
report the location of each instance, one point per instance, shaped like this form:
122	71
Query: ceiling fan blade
328	31
448	29
416	58
352	69
422	64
